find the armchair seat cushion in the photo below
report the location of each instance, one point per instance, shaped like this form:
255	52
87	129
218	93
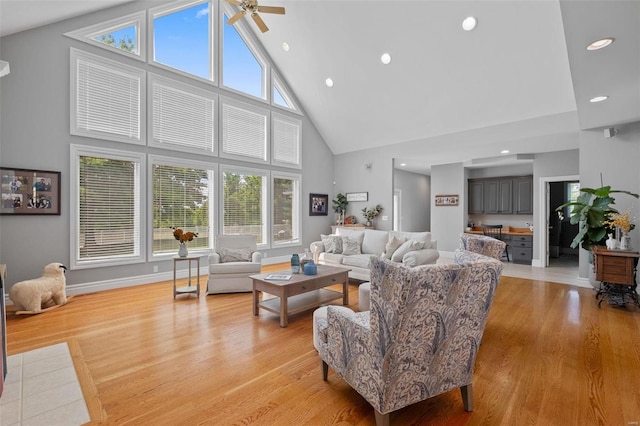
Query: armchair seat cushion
234	268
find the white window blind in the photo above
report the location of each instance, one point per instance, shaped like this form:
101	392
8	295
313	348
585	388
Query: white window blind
182	117
286	141
106	99
244	132
181	198
109	208
244	204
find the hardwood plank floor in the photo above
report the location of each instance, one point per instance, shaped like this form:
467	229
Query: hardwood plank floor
549	356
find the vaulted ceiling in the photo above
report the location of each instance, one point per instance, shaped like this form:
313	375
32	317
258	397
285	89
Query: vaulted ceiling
525	60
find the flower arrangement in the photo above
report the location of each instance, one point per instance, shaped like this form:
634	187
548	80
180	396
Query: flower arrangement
182	236
620	220
370	214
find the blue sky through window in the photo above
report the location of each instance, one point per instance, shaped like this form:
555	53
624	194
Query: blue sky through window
181	40
240	68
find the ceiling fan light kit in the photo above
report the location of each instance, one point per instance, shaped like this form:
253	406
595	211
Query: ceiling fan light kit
251	7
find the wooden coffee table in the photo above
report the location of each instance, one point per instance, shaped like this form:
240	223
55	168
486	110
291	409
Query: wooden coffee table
301	292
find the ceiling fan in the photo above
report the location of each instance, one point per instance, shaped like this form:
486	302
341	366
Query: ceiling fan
251	7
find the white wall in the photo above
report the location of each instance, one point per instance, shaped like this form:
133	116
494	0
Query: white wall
447	222
617	160
415	200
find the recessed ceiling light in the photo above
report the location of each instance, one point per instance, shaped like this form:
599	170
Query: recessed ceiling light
285	46
469	23
385	58
403	164
601	44
504	151
599	99
328	82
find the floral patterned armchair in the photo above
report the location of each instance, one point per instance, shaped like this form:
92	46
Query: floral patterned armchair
419	339
482	244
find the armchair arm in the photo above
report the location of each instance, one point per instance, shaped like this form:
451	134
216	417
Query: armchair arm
256	257
348	336
420	257
214	258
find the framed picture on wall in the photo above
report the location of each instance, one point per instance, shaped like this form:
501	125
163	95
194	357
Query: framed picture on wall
447	200
357	196
318	204
29	192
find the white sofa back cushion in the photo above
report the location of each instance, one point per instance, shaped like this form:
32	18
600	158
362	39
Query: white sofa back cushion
374	241
423	237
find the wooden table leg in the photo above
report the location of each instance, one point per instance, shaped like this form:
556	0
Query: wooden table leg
345	289
256	299
284	320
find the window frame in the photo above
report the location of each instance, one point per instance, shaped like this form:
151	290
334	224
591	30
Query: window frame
167	9
77	151
212	96
296	209
137	19
77	55
212	171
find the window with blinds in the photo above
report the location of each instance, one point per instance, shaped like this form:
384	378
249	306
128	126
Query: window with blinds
181	198
107	218
286	141
244	207
286	209
106	99
183	117
244	131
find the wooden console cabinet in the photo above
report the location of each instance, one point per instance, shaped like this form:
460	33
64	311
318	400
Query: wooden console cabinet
616	269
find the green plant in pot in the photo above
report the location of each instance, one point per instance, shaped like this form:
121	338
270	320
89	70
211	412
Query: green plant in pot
340	206
590	212
370	214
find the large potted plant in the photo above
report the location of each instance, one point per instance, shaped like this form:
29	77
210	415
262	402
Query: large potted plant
591	212
340	207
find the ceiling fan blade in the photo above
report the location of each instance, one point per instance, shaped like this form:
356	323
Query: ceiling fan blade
271	9
236	17
234	2
259	22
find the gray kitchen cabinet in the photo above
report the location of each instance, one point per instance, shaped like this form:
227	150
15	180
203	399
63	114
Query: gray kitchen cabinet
497	196
476	197
523	195
521	248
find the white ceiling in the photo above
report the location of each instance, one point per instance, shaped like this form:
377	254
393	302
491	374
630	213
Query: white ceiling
525	60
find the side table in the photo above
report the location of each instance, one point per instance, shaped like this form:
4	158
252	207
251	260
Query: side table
616	269
189	288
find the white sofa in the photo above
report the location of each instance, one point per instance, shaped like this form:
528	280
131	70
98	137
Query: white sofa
374	242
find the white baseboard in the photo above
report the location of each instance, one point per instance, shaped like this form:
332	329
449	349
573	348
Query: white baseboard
536	263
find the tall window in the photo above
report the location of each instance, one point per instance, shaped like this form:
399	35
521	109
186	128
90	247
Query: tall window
108	199
181	198
241	68
182	38
245	203
286	209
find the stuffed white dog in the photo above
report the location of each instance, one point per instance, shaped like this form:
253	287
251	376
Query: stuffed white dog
46	291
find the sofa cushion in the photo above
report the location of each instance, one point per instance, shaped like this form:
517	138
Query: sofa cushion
235	255
350	246
331	258
374	241
356	235
423	237
392	245
406	247
332	243
359	260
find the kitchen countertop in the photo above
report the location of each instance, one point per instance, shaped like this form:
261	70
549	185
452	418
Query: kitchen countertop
506	230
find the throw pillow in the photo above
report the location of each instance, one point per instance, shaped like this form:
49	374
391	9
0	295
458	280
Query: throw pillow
350	246
332	243
392	245
235	255
406	247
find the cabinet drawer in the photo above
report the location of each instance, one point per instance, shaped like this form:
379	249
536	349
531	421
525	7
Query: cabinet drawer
515	238
517	243
521	254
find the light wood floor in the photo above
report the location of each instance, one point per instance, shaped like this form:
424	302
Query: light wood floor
549	356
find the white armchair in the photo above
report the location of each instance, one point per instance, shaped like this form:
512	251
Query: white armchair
235	259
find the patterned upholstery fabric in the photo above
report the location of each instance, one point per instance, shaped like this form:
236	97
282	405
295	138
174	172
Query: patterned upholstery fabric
421	336
482	244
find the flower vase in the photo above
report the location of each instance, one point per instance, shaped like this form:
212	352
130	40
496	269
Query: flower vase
182	250
625	241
